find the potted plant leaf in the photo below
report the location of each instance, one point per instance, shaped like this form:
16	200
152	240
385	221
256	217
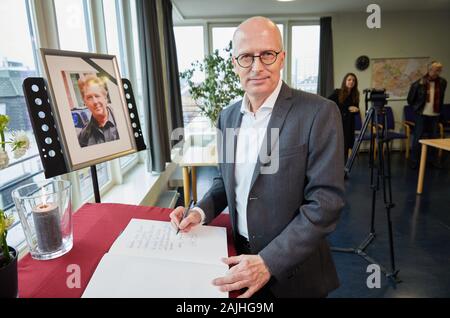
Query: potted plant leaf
19	144
8	260
220	87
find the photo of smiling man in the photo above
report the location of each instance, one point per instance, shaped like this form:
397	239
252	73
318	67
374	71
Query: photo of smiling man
101	127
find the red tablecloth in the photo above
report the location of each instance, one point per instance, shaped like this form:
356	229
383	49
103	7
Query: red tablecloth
95	228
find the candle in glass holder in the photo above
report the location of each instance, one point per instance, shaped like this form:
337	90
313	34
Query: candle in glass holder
47	224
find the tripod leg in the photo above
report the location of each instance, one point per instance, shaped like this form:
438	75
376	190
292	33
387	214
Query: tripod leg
385	169
389	205
373	181
362	133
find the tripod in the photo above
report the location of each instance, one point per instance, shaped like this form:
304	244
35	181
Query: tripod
378	136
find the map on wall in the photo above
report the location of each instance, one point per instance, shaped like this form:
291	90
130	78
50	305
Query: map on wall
397	74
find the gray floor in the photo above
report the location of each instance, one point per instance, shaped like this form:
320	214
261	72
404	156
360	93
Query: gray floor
421	231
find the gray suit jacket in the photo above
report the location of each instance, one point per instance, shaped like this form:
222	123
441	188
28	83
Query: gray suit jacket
290	212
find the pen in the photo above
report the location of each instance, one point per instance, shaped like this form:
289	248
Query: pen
185	213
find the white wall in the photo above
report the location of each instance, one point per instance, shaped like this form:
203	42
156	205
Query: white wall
402	34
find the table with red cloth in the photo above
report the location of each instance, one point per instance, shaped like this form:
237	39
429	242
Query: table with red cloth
95	228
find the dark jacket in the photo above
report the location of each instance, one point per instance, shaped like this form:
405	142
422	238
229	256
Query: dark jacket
92	134
417	95
348	118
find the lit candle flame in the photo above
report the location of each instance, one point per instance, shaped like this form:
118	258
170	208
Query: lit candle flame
44	197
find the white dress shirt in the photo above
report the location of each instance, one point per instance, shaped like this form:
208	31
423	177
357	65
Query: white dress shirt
428	110
249	140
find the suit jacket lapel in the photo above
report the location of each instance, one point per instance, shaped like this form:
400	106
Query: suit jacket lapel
279	113
235	123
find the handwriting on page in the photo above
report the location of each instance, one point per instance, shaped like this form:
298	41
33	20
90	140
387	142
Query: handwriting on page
161	237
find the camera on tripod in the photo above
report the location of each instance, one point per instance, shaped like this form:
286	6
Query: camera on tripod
378	97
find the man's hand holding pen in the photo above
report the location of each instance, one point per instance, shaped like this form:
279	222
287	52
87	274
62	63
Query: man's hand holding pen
184	219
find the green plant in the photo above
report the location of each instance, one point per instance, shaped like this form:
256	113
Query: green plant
19	144
5	224
220	87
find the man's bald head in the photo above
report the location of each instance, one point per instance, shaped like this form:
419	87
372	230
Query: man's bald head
258	40
256	25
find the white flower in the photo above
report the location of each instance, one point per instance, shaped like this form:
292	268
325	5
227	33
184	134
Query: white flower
6	221
19	152
20	144
4	159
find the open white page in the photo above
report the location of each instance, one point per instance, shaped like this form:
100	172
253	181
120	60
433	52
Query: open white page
158	239
138	277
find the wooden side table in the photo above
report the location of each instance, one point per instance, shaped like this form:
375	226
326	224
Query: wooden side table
437	143
193	157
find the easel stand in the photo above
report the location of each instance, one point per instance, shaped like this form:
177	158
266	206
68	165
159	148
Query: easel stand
48	140
95	184
375	116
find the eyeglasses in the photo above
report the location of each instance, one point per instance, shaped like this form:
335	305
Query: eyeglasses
267	58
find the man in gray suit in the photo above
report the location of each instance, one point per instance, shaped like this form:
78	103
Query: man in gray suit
283	199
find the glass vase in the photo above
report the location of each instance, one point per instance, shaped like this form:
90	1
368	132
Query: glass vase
45	211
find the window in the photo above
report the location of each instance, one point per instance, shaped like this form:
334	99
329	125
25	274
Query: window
138	94
127	160
305	57
71	19
190	48
17	62
114	35
84	175
221	38
114	38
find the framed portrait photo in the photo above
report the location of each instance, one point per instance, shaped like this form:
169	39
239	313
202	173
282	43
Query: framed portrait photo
89	107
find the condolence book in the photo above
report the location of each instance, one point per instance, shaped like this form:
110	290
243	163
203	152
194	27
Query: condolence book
150	260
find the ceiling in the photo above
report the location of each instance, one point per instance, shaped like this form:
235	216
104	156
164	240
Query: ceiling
229	9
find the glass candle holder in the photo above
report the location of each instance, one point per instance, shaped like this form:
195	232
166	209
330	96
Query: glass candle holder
45	211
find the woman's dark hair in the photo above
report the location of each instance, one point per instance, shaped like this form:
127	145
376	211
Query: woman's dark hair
354	93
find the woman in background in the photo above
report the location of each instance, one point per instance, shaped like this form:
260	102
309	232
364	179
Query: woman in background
347	99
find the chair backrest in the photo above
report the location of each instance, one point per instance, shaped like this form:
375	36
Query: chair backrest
77	121
389	117
81	117
409	114
445	112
